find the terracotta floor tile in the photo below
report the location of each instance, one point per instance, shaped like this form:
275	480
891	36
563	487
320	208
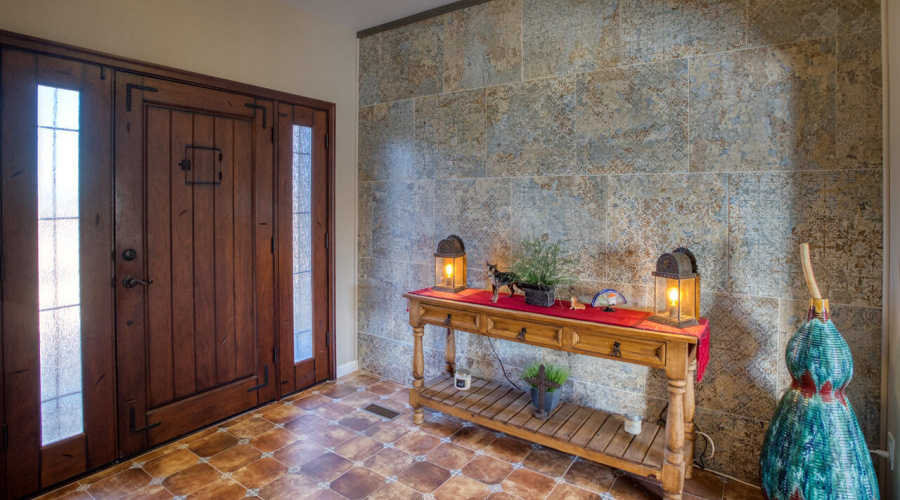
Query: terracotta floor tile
424	477
417	443
235	457
625	489
387	432
313	401
359	448
509	449
361	380
259	473
326	467
251	428
273	440
105	473
59	492
326	494
393	405
591	476
569	492
389	461
501	496
705	484
170	463
289	486
528	484
474	437
299	453
450	456
76	495
149	492
395	491
384	388
360	420
462	488
360	399
222	489
293	485
441	427
120	484
357	483
283	414
306	424
338	391
191	479
487	469
736	490
548	462
331	435
198	435
212	444
335	411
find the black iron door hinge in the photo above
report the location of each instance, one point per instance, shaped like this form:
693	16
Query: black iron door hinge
326	241
327	141
5	437
265	380
275	355
327	336
131	423
129	87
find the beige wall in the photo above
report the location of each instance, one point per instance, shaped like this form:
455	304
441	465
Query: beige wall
260	42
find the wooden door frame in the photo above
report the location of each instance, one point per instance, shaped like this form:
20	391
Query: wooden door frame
112	63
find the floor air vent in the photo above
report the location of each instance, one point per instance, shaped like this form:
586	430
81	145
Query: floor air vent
381	411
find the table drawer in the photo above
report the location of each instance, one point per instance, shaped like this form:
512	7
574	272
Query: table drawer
524	331
447	316
645	352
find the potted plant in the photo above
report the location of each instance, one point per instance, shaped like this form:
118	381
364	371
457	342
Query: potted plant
552	373
539	268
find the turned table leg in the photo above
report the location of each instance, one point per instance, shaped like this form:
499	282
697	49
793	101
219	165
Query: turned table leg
450	352
689	436
418	372
673	467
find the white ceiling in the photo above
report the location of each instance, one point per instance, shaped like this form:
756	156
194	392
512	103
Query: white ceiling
357	15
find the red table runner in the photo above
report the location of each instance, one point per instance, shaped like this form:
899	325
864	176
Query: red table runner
621	317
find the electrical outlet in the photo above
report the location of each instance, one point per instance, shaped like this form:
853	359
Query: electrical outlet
890	447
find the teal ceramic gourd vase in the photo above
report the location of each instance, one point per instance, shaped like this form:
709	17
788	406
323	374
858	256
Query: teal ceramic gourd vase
814	448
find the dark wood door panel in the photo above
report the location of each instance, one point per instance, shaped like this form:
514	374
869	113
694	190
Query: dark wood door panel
197	228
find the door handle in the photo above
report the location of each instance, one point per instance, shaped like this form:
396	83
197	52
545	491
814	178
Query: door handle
131	282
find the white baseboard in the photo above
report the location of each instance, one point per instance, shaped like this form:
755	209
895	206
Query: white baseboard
346	368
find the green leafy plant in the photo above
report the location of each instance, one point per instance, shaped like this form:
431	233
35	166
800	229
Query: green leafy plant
554	373
541	263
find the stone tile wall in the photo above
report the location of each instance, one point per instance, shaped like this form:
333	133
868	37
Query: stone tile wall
737	128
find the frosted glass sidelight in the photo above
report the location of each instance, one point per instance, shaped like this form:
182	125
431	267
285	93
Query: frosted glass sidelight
59	292
302	231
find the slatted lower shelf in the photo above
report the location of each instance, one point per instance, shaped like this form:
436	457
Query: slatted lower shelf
579	430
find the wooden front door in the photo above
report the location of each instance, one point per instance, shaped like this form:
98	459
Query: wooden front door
194	257
56	240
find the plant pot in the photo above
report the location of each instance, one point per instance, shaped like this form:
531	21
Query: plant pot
539	295
551	399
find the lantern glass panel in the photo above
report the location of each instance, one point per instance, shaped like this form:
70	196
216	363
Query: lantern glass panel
668	297
688	301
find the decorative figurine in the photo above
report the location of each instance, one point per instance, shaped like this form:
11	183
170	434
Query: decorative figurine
578	306
499	280
814	448
608	298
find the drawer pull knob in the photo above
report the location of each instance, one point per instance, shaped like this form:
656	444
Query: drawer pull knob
616	351
521	335
448	320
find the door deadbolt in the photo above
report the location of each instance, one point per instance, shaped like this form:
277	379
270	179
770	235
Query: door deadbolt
129	254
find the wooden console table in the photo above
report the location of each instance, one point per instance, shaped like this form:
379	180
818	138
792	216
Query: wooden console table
665	454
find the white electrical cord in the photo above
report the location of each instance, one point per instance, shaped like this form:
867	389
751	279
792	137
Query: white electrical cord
712	444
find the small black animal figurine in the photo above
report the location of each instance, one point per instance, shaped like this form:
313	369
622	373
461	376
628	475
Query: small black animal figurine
499	280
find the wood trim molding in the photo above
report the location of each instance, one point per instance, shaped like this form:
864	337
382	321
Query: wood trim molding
56	49
437	11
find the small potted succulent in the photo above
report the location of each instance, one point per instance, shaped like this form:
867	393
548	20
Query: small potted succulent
552	373
539	268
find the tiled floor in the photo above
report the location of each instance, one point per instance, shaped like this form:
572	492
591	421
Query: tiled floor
319	444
